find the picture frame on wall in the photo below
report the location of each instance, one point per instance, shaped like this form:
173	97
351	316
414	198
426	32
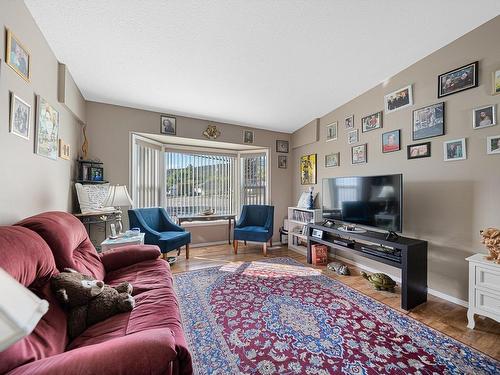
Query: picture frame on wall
457	80
168	125
493	144
399	99
64	150
495	83
248	136
391	141
47	129
20	117
282	162
332	160
18	57
455	150
353	137
282	146
359	154
484	117
371	122
308	169
349	122
428	122
331	131
419	150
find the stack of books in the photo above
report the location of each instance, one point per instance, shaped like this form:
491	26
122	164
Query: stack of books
319	254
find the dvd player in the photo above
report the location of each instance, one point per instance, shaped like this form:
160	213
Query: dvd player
391	255
344	242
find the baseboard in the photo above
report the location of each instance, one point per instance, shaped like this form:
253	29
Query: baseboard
203	244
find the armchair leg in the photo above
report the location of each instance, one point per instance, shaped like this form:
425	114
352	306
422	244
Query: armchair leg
178	251
264	248
245	242
187	251
235	246
271	242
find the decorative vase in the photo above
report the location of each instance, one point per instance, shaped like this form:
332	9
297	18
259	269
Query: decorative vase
310	201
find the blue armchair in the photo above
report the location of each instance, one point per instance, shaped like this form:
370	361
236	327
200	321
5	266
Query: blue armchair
160	230
255	224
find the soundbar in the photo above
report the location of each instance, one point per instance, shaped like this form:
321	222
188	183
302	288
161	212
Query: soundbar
382	254
344	242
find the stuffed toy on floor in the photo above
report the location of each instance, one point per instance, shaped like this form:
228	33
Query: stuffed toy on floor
89	301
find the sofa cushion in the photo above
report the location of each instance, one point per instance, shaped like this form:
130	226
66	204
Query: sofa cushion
27	258
69	242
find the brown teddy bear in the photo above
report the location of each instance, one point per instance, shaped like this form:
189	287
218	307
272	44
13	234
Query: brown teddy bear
491	238
89	301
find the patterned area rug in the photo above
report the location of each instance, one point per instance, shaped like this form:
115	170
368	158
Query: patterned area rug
279	317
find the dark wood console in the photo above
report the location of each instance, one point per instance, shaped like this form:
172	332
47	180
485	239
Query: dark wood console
410	256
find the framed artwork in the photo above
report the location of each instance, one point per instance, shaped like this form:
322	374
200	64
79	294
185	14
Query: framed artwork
496	82
493	144
353	137
484	117
428	121
332	160
47	129
331	131
371	122
391	141
455	150
349	122
282	162
419	150
398	99
18	57
20	117
168	125
459	79
358	154
248	136
308	169
281	146
96	173
64	150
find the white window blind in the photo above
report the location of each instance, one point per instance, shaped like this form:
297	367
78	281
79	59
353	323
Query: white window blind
146	173
254	178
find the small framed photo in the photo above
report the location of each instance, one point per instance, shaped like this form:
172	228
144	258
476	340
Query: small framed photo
353	137
20	117
282	162
317	233
358	154
332	160
281	146
248	136
96	173
459	79
496	82
428	122
18	57
391	141
398	99
47	129
331	131
64	150
419	150
493	144
484	117
455	150
168	125
349	122
371	122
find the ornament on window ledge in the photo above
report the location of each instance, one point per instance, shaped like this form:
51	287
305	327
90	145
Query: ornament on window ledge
310	201
211	132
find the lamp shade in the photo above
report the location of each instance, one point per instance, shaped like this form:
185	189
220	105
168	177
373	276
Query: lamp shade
117	197
20	310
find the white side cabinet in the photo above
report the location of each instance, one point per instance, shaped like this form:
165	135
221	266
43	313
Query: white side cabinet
484	289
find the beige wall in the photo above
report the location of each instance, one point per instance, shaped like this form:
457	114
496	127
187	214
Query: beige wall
30	183
445	203
109	129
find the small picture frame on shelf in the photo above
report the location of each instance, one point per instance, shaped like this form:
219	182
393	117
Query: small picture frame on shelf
317	233
96	174
455	150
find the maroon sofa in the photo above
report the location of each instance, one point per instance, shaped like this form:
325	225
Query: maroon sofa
147	340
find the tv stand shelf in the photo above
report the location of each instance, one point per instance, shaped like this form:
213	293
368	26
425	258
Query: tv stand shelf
412	260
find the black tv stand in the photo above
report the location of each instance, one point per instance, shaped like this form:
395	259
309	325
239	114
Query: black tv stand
407	254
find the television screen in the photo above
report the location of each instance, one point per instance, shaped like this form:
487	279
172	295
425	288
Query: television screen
374	201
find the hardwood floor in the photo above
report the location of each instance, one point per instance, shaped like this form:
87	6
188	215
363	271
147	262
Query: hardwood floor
437	313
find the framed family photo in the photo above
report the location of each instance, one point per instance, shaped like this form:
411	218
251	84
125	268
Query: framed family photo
496	82
20	117
398	99
308	169
18	57
349	122
460	79
484	117
168	125
331	131
248	136
455	150
282	162
359	154
353	137
428	121
419	150
493	144
332	160
391	141
281	146
47	129
371	122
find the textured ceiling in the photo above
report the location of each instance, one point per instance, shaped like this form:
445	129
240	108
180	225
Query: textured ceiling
269	64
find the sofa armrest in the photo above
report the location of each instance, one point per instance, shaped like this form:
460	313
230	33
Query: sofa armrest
147	352
127	255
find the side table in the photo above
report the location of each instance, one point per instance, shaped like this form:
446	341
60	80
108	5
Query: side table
109	243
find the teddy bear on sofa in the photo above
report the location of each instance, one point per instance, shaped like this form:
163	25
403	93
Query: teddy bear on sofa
89	301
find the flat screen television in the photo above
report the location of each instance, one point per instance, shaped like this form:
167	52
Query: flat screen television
374	201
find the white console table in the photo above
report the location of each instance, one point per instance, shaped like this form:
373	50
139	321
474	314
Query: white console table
484	289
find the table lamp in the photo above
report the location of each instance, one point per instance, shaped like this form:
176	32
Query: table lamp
20	310
118	197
